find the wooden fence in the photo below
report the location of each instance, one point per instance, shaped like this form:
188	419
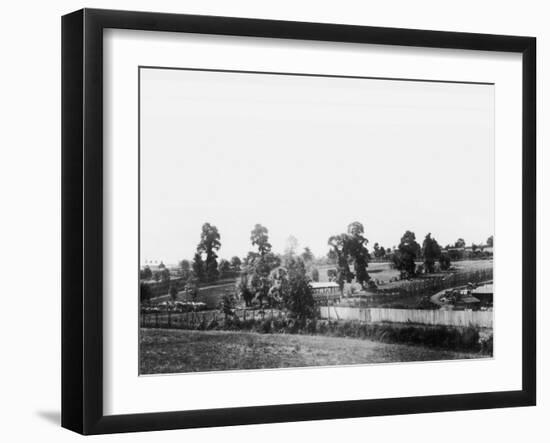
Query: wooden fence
191	320
482	319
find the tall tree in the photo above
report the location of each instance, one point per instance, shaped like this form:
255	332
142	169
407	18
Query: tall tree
490	241
208	245
460	243
406	253
339	245
359	253
431	252
350	249
260	238
258	265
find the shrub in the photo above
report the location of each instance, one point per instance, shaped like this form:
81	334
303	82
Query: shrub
266	326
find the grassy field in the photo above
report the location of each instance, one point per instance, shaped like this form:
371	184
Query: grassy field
173	351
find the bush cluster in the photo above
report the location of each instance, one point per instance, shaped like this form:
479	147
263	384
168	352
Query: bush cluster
470	339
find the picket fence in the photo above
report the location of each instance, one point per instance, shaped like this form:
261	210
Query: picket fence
483	319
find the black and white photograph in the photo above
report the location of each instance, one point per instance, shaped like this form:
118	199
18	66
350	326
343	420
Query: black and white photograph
275	222
293	220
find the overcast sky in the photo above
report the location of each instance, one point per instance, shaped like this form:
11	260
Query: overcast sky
306	156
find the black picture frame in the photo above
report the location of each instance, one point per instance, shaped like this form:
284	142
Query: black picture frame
82	219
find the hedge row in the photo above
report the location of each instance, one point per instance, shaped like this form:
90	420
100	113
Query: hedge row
469	339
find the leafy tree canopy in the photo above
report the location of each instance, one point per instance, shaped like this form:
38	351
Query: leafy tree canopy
431	252
259	237
350	249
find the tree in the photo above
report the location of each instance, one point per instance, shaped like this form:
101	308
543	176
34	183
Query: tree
192	287
145	293
307	255
198	267
236	264
379	251
444	261
332	257
165	275
173	292
295	289
460	243
431	252
228	304
224	267
358	252
257	266
156	276
490	241
209	244
350	248
315	274
185	268
146	273
407	251
244	291
259	237
339	244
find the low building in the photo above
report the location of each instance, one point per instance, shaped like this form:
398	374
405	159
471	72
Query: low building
484	294
467	302
325	288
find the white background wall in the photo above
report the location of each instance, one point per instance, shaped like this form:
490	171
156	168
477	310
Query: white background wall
30	218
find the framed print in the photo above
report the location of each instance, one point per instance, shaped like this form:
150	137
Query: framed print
299	217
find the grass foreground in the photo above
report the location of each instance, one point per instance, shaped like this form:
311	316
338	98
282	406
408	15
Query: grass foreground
175	351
